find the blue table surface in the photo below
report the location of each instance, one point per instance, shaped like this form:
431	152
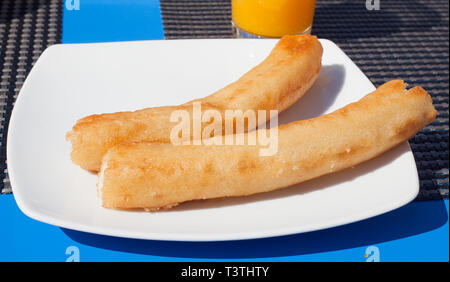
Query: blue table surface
418	231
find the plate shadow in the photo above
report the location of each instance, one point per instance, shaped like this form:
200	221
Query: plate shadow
409	220
319	98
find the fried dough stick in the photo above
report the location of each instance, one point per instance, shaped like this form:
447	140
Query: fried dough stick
152	176
275	84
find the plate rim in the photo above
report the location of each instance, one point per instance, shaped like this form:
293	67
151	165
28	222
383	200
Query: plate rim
194	237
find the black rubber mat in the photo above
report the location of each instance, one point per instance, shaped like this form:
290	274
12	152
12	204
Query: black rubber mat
27	27
404	39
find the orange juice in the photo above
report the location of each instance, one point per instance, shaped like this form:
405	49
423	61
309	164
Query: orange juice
273	18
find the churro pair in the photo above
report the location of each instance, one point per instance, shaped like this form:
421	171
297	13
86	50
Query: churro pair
155	175
139	168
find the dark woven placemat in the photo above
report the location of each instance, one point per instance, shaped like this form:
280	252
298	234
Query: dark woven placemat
405	39
27	27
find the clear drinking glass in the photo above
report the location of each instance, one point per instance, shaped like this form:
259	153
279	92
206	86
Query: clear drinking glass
272	18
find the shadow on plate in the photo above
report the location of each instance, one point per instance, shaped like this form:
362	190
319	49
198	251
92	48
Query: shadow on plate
319	98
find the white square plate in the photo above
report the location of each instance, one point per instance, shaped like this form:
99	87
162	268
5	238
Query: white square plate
71	81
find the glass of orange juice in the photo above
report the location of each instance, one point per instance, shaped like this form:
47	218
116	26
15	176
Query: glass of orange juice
272	18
